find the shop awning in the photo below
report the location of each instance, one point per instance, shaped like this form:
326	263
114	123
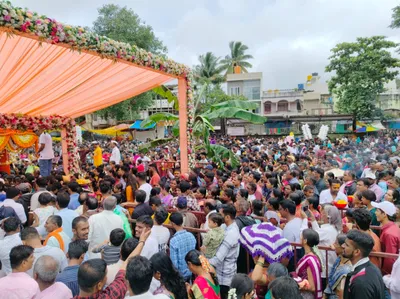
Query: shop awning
136	126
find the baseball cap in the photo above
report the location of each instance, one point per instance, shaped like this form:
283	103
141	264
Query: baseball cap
386	206
370	175
182	202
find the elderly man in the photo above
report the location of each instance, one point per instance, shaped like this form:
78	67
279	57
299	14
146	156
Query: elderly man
101	224
45	272
56	236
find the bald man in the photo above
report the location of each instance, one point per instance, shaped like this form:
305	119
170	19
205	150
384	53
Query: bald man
45	272
101	225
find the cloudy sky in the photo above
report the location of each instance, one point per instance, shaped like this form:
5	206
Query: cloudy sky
288	38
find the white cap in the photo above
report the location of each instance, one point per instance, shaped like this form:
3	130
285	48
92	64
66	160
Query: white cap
95	142
370	175
113	141
386	206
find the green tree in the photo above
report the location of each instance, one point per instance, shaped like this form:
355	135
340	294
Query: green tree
209	70
361	69
123	24
237	57
395	17
215	96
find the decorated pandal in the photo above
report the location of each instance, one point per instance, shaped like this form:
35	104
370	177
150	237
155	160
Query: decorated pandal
14	141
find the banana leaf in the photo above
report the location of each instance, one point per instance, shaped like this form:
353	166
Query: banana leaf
218	152
165	93
246	105
144	148
233	112
157	117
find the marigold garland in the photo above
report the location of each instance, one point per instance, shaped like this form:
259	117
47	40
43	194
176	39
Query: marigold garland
22	122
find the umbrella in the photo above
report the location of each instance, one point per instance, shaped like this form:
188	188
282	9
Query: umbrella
265	240
337	172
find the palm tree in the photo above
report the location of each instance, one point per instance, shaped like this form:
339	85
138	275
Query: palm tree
209	70
237	58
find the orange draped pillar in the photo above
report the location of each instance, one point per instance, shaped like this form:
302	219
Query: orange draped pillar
64	149
183	118
4	161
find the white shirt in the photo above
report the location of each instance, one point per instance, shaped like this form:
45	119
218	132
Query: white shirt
326	197
115	155
146	187
327	237
52	241
162	235
148	295
392	281
6	245
54	252
35	199
150	247
100	227
293	229
47	153
18	208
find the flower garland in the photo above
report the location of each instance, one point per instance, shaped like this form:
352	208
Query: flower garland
22	122
14	19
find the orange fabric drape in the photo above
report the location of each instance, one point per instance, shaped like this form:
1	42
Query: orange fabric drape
56	234
13	140
51	79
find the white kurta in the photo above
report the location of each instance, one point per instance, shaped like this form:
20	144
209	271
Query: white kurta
115	155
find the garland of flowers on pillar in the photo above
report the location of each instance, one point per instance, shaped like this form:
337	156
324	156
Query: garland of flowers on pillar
23	122
190	114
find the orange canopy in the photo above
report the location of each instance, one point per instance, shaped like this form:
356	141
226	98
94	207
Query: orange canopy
51	79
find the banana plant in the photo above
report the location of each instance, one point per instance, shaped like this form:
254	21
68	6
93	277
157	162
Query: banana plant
202	126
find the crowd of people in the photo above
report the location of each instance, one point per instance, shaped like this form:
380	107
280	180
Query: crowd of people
131	225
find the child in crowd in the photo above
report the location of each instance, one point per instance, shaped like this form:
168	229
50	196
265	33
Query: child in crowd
214	236
257	209
313	203
110	249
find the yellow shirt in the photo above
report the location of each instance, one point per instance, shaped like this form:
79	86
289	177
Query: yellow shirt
98	156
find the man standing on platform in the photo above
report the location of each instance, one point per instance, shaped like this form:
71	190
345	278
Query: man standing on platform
46	153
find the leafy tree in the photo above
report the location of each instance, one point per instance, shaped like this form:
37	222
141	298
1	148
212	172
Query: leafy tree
209	70
123	24
237	57
395	18
216	95
361	70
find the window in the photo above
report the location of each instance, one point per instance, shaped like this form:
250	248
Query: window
283	106
235	91
267	107
251	89
298	105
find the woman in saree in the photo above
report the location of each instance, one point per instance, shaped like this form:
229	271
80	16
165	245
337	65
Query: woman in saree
171	281
309	267
205	286
341	267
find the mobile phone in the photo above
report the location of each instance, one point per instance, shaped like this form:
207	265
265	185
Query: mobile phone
305	208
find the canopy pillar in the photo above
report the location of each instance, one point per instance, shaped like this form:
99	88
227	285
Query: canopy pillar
64	149
183	118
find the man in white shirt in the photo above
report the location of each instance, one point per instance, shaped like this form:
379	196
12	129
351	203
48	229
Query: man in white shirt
146	187
151	246
160	233
332	194
31	237
46	154
11	227
12	195
294	225
41	184
101	225
115	154
139	275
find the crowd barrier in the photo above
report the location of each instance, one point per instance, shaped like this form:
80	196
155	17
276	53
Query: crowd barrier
198	233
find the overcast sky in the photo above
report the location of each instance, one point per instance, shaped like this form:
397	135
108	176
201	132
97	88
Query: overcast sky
289	39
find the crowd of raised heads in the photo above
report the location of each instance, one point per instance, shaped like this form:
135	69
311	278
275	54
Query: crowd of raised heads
282	218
